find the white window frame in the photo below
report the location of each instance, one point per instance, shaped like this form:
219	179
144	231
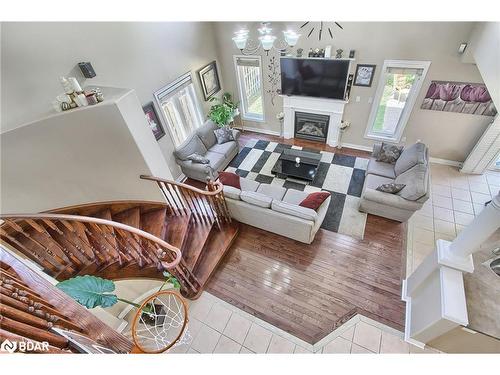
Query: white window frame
170	90
244	115
412	98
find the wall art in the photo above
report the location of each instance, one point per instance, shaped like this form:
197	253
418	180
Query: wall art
459	97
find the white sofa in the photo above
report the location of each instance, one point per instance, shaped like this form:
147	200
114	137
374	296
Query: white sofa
275	209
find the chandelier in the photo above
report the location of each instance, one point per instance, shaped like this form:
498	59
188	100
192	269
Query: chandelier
266	40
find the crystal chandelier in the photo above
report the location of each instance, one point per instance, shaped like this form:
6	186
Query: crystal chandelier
267	41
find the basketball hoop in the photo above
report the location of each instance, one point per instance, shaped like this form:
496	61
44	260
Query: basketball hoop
161	323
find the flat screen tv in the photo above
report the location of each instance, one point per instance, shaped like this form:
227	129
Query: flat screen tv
322	78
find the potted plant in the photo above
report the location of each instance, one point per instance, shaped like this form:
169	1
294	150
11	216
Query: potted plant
224	111
91	291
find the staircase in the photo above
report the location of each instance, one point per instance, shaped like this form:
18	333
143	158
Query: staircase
188	236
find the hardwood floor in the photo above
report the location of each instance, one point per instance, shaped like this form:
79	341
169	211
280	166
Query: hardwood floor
309	290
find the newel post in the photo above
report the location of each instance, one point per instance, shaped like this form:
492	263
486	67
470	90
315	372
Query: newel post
434	292
210	184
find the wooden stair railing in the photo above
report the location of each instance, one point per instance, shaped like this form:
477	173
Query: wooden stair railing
207	206
71	245
188	235
30	306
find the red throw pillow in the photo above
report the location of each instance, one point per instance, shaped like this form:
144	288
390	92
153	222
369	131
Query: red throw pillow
314	200
230	179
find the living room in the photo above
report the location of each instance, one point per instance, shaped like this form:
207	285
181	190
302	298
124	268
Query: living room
315	177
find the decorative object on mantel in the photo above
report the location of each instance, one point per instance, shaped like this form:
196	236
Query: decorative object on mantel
209	79
267	40
343	127
299	52
223	113
458	97
328	51
320	28
364	75
74	96
153	121
350	78
273	78
316	53
339	53
352	53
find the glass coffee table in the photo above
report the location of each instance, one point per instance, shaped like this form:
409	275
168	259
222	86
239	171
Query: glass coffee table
297	163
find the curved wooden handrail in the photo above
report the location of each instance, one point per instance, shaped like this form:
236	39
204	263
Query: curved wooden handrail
205	205
87	219
218	186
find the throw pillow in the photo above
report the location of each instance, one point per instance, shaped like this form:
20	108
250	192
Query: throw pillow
230	179
389	153
223	135
314	200
197	158
391	188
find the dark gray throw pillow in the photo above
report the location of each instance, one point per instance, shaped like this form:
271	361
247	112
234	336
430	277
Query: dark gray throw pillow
391	188
223	135
197	158
389	153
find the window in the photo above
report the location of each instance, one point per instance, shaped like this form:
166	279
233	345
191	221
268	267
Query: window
398	88
249	75
180	108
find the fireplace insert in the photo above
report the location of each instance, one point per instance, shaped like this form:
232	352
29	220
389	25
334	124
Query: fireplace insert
311	126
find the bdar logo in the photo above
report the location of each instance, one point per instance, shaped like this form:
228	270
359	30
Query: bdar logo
8	346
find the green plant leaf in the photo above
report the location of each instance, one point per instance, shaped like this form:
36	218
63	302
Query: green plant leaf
90	291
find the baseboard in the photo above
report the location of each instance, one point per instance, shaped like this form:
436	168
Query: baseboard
263	131
357	147
452	163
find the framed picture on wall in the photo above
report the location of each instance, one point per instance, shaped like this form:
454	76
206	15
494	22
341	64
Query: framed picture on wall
364	75
153	121
209	79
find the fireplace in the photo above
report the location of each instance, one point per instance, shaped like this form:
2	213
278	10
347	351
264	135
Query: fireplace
311	126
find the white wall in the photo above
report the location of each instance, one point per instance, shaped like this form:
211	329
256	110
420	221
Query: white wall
142	56
449	135
86	155
485	50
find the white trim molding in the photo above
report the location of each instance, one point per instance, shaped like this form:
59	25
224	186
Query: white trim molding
259	130
357	147
244	115
452	163
412	98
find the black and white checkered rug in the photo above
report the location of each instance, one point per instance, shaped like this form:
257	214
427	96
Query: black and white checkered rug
342	175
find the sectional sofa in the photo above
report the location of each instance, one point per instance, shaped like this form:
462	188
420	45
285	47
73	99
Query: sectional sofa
275	209
410	169
203	142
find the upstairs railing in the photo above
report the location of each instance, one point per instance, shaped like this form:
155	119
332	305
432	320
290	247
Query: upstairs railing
70	245
30	307
208	206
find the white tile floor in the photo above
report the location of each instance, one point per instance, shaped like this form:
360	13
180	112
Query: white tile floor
218	327
456	198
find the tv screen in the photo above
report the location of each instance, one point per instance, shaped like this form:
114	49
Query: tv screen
320	78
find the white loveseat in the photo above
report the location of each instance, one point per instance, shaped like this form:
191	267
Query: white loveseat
275	209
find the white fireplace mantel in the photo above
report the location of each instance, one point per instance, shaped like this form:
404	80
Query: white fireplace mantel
331	107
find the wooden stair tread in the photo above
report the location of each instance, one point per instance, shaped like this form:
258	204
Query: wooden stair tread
154	222
131	217
195	241
176	229
215	249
